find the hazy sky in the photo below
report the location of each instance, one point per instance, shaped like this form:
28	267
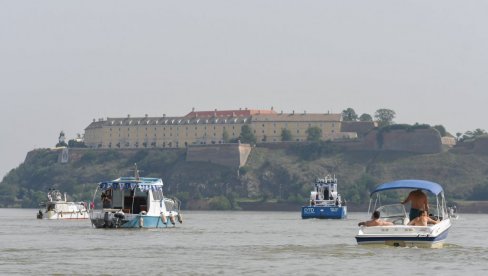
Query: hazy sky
63	63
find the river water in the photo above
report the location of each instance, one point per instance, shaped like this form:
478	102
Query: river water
229	243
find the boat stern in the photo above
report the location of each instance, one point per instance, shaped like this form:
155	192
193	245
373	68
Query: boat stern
324	212
432	236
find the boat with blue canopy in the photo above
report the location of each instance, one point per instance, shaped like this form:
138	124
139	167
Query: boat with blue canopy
325	201
134	202
402	232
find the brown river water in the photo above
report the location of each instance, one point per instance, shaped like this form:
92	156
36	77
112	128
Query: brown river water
230	243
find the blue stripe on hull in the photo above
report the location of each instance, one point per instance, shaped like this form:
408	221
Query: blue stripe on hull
438	238
326	212
148	222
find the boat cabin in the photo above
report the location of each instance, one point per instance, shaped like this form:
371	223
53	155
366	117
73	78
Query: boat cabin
325	191
133	196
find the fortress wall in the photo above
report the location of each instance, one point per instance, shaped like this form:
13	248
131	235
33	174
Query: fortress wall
418	141
481	145
230	155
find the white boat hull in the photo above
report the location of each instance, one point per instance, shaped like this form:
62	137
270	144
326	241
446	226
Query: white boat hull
432	236
67	215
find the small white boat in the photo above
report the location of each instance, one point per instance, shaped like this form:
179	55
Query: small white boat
400	233
452	210
325	201
57	207
134	202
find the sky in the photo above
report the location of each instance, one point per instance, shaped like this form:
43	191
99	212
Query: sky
65	63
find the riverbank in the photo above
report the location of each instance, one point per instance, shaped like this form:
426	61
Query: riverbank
471	207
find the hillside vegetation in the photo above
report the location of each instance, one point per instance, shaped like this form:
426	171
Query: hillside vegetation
270	175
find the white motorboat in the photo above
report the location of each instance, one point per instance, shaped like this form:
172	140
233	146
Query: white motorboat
401	233
57	207
134	202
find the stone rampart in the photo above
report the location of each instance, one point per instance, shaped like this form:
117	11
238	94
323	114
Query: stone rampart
230	155
417	141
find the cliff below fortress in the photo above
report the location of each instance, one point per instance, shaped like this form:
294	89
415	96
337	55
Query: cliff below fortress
274	174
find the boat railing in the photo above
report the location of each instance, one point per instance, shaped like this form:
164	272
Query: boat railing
325	202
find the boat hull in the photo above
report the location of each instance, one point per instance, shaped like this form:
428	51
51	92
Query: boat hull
67	215
324	212
108	220
405	236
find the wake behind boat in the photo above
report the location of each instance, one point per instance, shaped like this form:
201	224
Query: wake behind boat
401	233
325	201
134	202
57	207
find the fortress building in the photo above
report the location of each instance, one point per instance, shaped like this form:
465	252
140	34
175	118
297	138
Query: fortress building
209	127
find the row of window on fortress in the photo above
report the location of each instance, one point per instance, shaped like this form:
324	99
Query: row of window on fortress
170	144
233	127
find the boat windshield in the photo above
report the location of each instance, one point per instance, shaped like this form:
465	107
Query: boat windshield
392	210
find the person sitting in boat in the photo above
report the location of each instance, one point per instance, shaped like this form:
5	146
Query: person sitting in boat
375	221
418	201
423	220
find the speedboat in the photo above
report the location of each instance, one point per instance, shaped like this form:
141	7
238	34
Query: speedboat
57	207
134	202
401	233
325	202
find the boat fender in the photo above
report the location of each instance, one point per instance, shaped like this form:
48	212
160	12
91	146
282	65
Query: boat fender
172	219
141	222
180	218
163	218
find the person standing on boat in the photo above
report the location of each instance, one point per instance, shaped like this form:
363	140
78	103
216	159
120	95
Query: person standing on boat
418	201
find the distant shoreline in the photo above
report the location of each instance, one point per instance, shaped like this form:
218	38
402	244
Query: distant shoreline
466	207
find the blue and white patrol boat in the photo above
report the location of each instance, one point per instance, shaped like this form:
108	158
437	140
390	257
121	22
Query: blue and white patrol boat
134	202
325	201
401	233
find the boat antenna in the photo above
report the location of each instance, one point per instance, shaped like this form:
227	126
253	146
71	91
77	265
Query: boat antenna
136	172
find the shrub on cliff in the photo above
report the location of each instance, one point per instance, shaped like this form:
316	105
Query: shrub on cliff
219	203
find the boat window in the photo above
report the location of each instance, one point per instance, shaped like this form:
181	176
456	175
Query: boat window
135	202
117	196
157	195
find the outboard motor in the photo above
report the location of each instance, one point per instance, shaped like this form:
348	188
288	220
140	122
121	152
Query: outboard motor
106	219
118	217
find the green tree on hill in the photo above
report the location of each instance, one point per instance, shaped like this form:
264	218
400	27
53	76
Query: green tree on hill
247	136
365	118
286	135
314	134
468	135
441	129
349	115
384	117
225	136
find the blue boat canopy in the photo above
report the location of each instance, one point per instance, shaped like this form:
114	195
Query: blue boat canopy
144	184
410	184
